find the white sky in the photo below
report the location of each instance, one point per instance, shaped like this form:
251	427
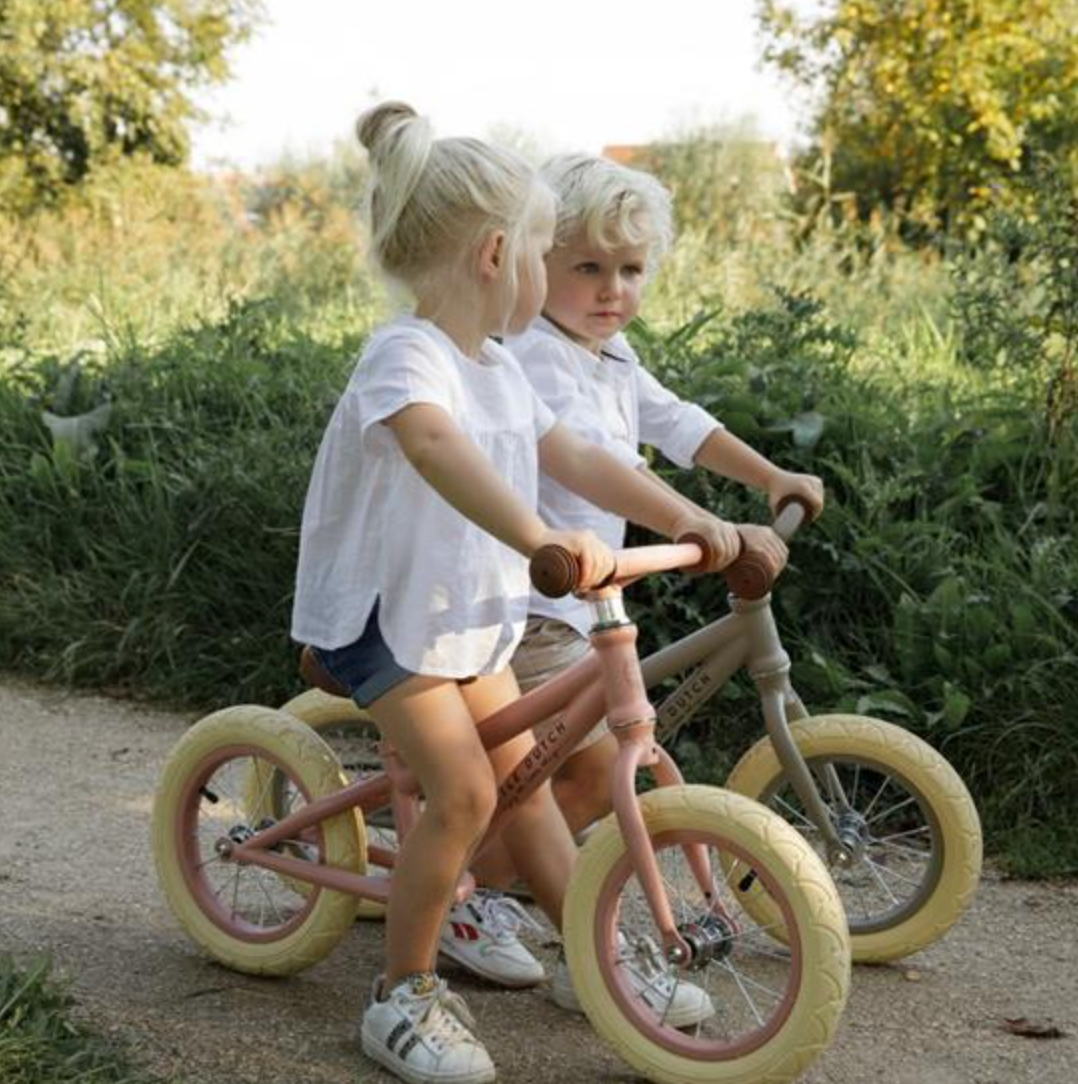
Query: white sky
571	74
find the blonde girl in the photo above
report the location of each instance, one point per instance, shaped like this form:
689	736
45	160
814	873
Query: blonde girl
412	581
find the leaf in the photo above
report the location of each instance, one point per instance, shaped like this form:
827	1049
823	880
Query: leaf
888	700
1031	1029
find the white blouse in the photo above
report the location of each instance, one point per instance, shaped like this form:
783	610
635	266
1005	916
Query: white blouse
613	401
452	598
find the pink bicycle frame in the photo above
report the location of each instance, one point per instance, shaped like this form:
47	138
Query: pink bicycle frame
607	681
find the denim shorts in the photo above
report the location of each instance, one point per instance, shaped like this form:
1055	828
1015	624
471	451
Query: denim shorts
365	667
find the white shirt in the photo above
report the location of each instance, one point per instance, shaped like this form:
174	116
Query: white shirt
613	401
452	598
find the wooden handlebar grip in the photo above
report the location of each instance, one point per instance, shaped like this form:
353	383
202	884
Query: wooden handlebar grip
708	554
555	572
751	575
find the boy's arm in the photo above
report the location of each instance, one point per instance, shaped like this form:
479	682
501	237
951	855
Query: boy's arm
600	478
729	456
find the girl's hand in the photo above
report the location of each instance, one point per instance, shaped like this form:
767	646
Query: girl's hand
764	540
807	487
721	537
595	557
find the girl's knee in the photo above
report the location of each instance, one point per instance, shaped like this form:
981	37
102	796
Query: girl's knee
466	806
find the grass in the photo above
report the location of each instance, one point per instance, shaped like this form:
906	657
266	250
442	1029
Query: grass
40	1040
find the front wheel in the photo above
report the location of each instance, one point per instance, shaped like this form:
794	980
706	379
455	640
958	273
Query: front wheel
905	815
758	1012
248	917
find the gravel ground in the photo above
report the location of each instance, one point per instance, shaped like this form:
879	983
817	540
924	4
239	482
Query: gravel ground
76	879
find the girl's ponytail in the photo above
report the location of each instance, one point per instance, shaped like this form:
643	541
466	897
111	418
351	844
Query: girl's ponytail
399	143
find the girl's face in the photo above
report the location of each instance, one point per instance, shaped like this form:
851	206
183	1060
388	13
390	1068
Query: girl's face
531	277
593	292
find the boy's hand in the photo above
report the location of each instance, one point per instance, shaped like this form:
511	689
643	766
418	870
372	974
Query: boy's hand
595	558
807	487
723	541
764	540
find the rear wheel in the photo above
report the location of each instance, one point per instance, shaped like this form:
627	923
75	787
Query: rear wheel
248	917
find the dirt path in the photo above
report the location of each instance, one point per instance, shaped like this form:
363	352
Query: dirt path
76	879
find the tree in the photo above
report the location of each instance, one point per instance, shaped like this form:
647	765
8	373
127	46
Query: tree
82	81
936	106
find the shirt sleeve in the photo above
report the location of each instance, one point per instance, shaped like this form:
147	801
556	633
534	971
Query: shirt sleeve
553	375
675	427
399	371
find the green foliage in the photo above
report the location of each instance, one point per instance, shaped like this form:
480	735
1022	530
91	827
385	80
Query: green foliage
162	559
936	106
82	83
39	1041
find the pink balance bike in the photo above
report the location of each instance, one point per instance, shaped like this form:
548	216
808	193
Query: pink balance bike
886	812
260	843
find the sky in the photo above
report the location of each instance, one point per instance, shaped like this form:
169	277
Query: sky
566	74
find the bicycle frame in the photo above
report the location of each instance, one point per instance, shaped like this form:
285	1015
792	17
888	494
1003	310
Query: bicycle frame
608	681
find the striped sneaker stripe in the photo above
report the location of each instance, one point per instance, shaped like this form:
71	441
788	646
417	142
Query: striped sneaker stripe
401	1028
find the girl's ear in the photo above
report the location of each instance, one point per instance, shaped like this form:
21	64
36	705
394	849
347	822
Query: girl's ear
491	255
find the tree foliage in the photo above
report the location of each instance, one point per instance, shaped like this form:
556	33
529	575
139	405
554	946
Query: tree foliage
84	81
934	106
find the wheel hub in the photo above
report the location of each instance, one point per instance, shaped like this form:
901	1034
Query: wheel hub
709	938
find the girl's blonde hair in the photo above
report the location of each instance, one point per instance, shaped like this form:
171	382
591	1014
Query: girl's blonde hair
610	204
431	201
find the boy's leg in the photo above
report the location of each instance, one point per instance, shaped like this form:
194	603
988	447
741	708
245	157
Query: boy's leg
582	783
537	840
429	723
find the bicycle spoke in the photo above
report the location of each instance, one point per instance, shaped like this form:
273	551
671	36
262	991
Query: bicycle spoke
876	797
901	805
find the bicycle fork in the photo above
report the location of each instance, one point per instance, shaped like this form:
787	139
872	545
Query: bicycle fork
769	667
631	720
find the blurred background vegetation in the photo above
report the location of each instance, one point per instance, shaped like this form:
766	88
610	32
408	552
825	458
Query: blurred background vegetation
894	307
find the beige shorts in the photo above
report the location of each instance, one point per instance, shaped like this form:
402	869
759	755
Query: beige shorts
549	647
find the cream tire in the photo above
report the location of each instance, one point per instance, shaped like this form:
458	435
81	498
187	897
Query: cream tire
951	876
183	825
808	1015
325	713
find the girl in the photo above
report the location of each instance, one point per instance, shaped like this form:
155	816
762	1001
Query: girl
412	582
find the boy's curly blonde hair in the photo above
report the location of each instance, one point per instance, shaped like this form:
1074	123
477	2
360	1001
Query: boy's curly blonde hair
610	204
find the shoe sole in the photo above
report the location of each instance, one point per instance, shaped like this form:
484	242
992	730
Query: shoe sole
374	1050
491	976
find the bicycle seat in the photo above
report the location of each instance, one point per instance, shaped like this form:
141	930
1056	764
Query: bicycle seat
316	675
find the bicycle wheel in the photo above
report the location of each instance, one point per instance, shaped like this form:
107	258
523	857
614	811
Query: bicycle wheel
775	1009
911	827
352	735
247	917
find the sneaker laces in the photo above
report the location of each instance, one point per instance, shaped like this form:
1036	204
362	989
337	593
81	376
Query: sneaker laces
502	915
445	1019
647	964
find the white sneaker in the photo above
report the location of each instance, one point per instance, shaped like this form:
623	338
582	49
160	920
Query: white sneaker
420	1033
481	935
678	1003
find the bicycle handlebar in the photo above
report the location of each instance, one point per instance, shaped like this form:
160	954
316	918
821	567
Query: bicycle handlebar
555	571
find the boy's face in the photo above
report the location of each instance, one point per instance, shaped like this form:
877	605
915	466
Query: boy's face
592	292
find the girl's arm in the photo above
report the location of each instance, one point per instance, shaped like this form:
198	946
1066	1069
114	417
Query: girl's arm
461	474
727	455
602	479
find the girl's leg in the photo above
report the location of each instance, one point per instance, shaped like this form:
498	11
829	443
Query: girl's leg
537	841
429	723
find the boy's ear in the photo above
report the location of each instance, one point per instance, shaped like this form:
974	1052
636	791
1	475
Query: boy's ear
491	255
